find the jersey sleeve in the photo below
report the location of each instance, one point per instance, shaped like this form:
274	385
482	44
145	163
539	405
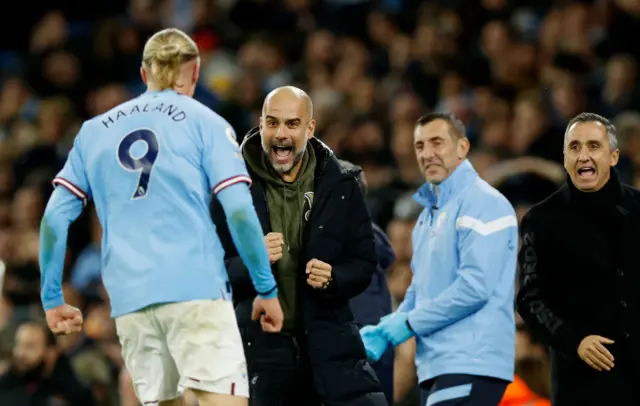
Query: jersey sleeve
73	175
222	160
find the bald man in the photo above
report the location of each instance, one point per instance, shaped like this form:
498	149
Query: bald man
321	246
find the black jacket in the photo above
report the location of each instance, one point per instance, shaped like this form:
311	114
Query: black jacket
579	276
339	233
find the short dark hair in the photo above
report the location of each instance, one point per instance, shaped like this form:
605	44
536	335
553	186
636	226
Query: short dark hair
457	128
586	117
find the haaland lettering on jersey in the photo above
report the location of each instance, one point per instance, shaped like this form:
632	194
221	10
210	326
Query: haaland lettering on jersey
170	110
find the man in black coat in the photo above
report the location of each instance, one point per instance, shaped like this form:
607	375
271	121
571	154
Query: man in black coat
579	274
321	246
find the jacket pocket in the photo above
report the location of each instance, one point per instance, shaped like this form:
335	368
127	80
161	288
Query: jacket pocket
250	337
249	329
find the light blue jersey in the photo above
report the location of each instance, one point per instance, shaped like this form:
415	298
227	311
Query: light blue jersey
150	165
460	302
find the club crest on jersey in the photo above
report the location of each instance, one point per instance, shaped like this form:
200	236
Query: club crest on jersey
231	137
308	199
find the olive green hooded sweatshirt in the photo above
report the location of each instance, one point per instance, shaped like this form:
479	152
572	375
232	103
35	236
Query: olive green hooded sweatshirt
289	206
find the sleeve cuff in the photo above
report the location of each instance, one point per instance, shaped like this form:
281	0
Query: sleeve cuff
231	181
270	294
569	340
53	303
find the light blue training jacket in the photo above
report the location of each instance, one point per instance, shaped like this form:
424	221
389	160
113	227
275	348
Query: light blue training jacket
461	298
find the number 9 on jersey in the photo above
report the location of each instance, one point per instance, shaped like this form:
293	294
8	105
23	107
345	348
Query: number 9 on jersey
142	163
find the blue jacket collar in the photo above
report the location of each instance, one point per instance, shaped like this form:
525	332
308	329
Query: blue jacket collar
430	195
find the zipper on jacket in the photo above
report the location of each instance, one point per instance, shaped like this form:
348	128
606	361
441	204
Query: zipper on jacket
434	207
297	347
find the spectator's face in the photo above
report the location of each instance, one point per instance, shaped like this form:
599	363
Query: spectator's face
12	96
495	133
368	137
405	107
285	128
106	98
482	101
438	150
320	47
26	247
588	157
400	238
425	42
62	69
495	38
363	95
451	85
621	74
402	142
247	91
51	121
527	125
27	208
566	99
29	349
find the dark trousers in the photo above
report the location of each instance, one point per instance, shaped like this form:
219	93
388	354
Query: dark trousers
279	371
462	390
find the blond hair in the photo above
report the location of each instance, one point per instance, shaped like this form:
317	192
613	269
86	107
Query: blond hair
164	53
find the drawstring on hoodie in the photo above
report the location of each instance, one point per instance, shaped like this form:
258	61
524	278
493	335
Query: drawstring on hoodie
284	212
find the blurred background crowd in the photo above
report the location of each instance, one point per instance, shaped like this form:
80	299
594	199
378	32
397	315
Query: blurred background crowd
514	71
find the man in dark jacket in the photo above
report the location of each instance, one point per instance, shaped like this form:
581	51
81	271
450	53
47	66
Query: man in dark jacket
321	246
579	279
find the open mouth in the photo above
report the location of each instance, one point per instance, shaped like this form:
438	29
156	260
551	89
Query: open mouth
587	172
282	153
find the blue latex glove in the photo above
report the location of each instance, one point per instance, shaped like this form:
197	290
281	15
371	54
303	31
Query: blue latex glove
385	318
396	329
374	342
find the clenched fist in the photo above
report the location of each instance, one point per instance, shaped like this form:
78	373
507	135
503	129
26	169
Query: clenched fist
592	351
318	274
274	242
269	312
64	320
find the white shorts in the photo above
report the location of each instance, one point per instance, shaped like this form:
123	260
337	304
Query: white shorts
194	345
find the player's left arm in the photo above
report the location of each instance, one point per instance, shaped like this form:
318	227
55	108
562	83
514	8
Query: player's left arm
228	177
239	276
352	274
65	205
487	247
